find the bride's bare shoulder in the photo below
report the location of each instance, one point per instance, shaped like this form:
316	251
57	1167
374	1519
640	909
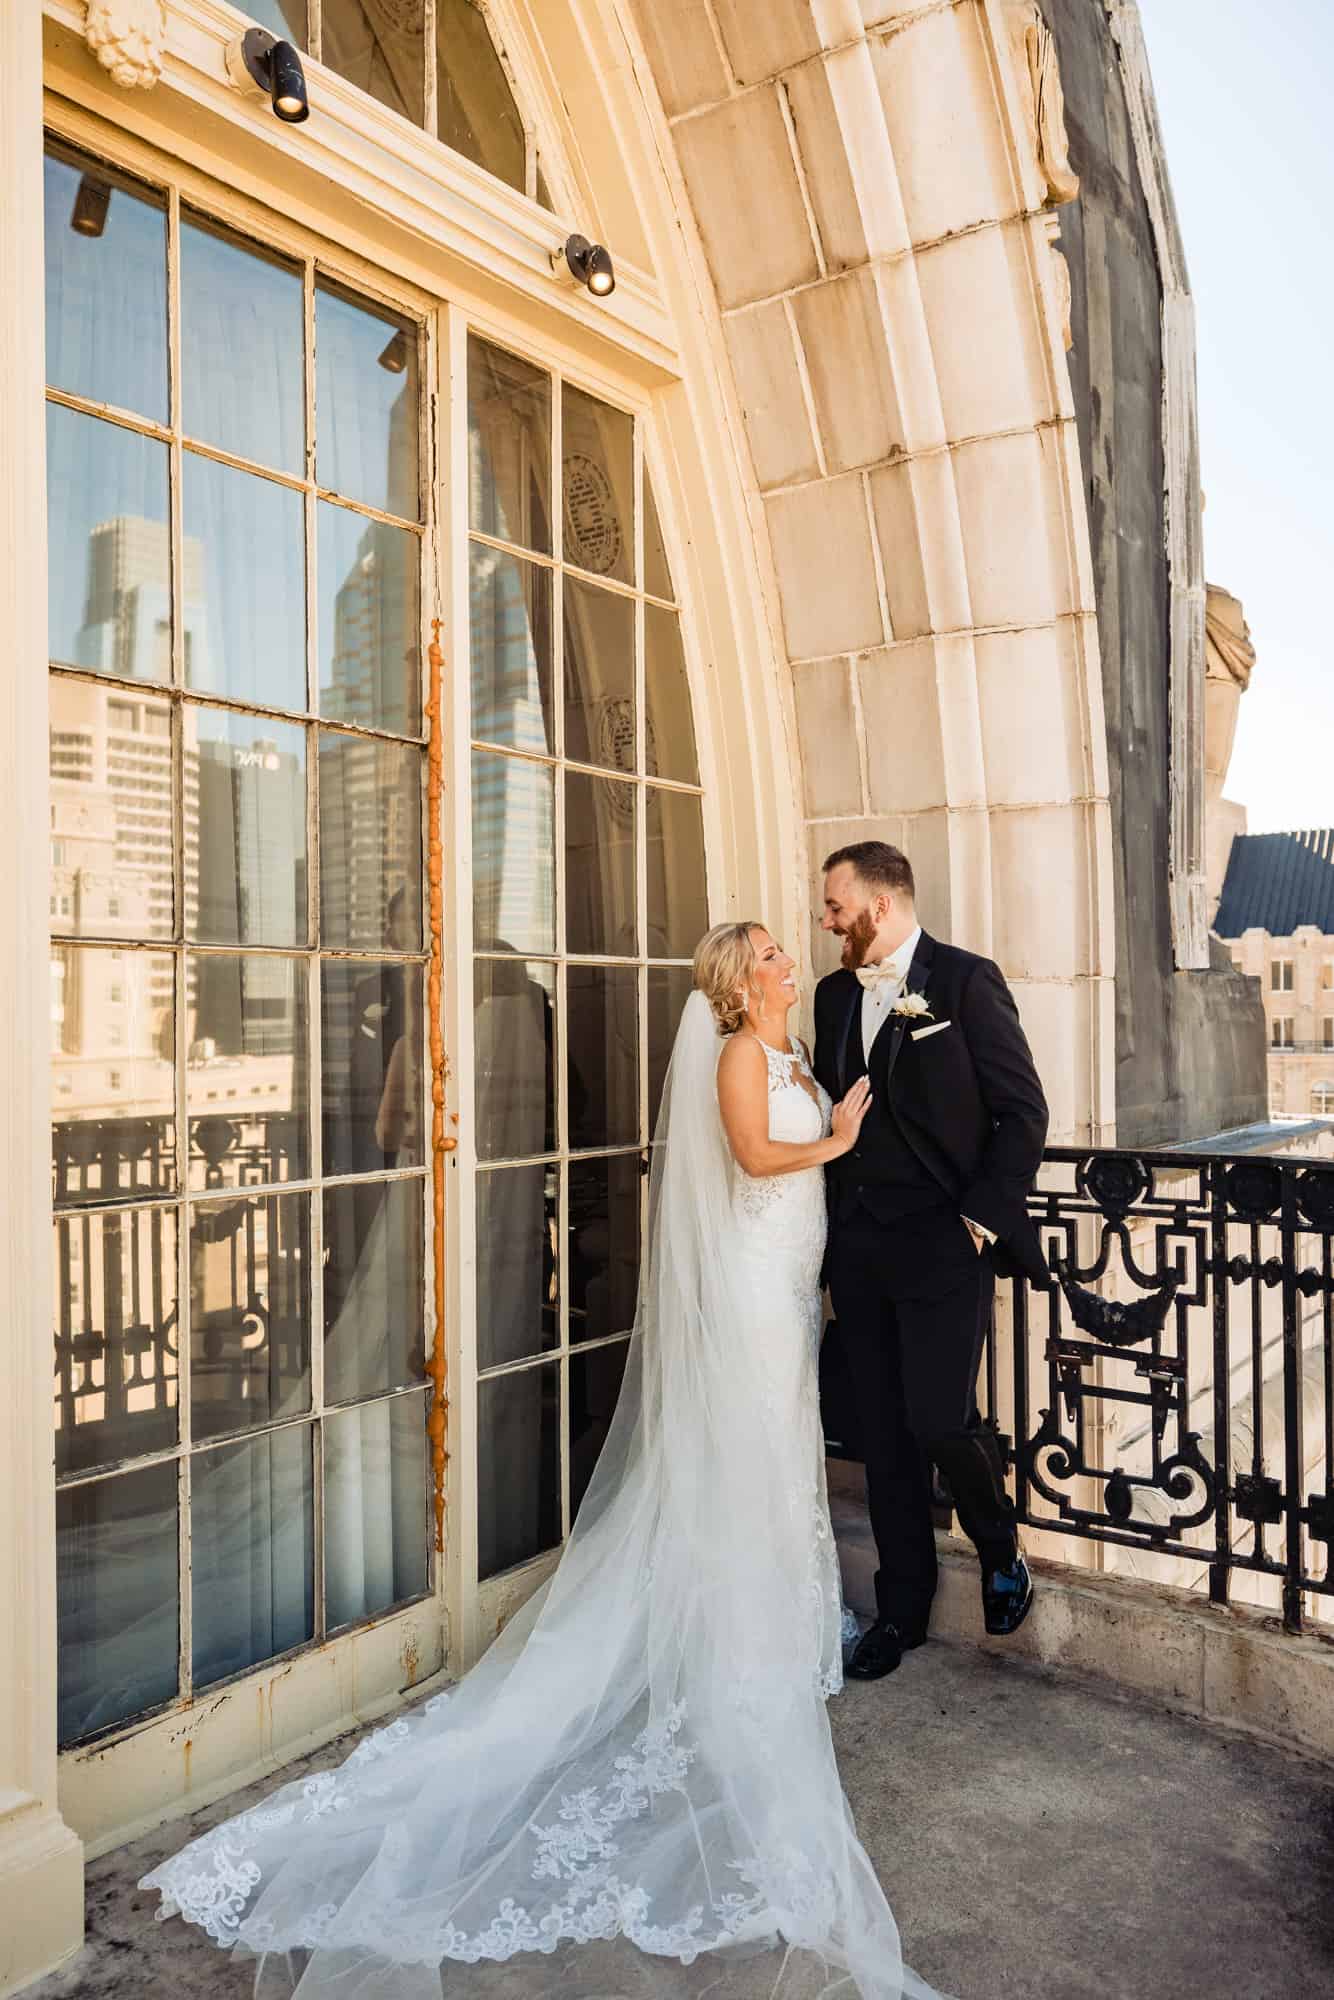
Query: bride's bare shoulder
742	1056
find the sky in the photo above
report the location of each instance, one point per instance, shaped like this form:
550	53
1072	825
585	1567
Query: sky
1245	93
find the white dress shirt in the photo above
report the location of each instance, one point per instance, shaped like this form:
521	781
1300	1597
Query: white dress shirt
877	1005
878	1001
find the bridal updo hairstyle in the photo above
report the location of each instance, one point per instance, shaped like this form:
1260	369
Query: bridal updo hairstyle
723	959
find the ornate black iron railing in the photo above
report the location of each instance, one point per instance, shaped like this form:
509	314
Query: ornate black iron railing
1195	1421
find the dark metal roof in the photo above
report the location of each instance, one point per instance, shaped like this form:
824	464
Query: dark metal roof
1276	882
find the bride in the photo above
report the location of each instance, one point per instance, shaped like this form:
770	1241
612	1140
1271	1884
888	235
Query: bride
639	1774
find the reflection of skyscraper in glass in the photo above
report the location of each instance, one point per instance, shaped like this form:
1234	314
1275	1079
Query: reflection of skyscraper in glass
507	689
514	861
370	839
127	604
252	818
374	635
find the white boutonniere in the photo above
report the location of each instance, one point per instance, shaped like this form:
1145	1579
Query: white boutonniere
914	1006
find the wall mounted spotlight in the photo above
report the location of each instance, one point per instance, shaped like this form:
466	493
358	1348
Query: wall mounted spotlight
89	214
394	358
585	263
256	60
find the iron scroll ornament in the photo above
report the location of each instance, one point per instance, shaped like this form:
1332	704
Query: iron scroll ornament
1117	1322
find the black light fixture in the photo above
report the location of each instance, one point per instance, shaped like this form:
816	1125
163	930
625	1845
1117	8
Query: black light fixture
258	58
91	202
394	358
586	264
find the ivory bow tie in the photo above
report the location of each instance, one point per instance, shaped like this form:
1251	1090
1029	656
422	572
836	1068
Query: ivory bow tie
871	976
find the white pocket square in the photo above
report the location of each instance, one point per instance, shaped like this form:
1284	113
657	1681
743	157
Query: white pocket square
920	1034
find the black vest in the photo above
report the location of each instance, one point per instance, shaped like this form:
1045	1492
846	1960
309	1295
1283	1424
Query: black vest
882	1174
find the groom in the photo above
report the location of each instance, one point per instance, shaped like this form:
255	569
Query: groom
922	1212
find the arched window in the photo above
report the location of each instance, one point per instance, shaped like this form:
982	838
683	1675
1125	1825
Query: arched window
450	77
588	899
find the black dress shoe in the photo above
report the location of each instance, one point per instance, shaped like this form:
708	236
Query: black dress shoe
1007	1596
881	1648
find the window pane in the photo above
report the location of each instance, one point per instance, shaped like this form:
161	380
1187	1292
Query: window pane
509	447
598	485
375	1551
246	1071
678	908
517	1305
112	1073
669	750
106	288
476	112
603	1077
595	1385
108	548
371	1035
242	335
510	605
252	1542
514	888
370	843
374	1288
284	18
245	586
657	571
604	1245
116	1331
111	812
600	866
366	400
245	871
387	59
369	622
599	676
249	1312
518	1467
116	1583
669	987
514	1048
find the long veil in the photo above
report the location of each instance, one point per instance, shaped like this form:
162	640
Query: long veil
638	1777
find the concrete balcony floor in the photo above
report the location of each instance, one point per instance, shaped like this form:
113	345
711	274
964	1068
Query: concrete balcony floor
1038	1838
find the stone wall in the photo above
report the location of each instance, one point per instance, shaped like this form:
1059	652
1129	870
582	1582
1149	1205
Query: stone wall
1189	1058
868	184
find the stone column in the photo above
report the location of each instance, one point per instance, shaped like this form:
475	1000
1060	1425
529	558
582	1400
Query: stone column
41	1861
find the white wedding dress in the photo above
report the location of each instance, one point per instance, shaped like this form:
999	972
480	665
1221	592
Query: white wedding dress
637	1780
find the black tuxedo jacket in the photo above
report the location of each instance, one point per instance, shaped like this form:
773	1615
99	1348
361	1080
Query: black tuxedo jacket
966	1098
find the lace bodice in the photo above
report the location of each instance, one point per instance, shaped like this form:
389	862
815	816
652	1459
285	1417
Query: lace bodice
789	1209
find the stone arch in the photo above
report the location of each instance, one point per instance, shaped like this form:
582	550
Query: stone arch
870	296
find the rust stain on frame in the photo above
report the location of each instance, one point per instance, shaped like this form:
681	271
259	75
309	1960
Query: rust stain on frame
441	1142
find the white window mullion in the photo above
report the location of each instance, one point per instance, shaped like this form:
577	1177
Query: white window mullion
452	560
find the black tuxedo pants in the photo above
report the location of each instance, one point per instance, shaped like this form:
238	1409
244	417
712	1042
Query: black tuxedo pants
912	1301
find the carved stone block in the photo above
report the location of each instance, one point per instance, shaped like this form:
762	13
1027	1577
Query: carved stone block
127	37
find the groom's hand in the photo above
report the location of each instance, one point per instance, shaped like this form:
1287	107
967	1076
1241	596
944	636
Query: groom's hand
981	1237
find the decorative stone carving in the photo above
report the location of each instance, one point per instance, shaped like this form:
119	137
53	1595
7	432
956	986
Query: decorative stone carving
1061	271
127	37
1229	658
1228	651
1046	106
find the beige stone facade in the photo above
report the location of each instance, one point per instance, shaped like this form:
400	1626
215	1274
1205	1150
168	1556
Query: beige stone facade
1296	976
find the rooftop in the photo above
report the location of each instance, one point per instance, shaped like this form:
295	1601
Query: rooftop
1276	882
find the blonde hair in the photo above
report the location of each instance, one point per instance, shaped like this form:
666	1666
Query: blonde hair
723	960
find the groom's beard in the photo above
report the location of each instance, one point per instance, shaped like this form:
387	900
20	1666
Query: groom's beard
857	941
